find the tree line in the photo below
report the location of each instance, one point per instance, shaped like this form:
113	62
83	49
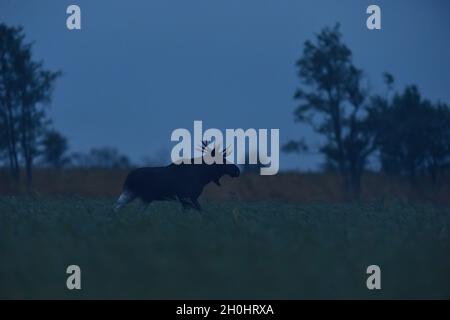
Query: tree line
409	134
25	90
26	132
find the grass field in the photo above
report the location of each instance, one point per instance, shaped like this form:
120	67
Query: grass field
232	250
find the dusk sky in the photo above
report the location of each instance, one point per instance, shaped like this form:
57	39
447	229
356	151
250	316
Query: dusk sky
140	69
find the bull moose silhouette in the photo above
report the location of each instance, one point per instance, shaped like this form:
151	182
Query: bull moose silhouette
182	182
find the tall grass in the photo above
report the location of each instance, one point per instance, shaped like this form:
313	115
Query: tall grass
235	249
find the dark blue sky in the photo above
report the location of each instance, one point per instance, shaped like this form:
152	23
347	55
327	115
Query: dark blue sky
139	69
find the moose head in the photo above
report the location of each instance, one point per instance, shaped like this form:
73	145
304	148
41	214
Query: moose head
217	160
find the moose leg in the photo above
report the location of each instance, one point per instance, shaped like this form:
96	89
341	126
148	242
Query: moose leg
144	206
196	205
124	198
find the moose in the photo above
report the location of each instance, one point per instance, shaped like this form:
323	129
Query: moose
183	182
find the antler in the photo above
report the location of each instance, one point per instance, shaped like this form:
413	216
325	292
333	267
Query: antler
205	144
226	151
204	147
212	151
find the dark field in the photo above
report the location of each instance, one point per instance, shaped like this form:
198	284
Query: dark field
235	249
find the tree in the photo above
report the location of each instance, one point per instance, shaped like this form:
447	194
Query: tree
438	159
105	157
8	42
25	87
333	103
54	151
413	134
